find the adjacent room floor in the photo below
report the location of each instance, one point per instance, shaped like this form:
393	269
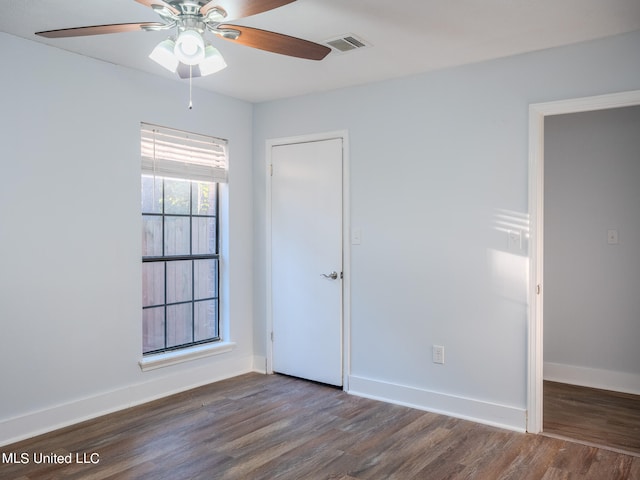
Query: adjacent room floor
596	417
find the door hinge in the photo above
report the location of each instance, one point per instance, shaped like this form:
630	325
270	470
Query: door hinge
272	336
271	169
538	289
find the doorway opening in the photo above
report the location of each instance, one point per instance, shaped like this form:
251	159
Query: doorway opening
537	115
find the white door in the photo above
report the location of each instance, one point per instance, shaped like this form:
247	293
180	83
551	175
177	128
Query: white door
306	260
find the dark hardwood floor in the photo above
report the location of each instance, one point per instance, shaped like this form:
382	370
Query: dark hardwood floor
275	427
600	417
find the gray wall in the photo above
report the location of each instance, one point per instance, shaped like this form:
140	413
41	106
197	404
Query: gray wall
439	171
592	305
70	248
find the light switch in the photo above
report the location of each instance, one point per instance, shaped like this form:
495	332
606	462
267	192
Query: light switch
515	240
356	236
612	237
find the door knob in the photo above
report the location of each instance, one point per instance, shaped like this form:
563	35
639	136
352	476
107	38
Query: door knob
332	275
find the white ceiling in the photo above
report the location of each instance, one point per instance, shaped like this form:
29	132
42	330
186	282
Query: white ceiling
406	37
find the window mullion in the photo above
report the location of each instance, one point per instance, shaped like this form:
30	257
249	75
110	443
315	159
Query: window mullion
166	317
193	266
217	223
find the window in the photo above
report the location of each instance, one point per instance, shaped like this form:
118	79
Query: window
180	231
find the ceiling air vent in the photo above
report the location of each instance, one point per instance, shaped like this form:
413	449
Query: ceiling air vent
346	43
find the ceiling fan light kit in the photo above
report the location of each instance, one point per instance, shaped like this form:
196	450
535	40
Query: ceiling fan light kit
163	55
213	61
189	48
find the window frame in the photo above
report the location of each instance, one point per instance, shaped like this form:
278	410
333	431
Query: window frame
191	257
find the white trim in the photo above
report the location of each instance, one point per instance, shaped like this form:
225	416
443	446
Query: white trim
259	364
502	416
537	114
78	410
346	244
346	263
593	377
166	359
534	295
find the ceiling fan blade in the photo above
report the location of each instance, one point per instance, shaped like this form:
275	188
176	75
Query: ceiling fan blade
243	8
148	3
97	29
277	42
183	71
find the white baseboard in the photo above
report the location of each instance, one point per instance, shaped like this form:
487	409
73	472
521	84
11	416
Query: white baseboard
259	364
592	377
59	416
511	418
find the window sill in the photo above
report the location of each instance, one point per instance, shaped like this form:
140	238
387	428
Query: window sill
172	358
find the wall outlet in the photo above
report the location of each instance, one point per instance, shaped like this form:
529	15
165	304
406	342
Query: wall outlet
438	354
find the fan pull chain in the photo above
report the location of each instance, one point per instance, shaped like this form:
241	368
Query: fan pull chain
190	82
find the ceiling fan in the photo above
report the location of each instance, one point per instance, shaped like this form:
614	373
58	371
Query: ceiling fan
189	53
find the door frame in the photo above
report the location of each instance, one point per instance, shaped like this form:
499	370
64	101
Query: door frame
537	114
346	245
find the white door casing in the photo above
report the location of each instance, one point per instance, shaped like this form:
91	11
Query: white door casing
537	114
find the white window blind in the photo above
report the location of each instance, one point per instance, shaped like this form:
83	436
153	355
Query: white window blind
177	154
